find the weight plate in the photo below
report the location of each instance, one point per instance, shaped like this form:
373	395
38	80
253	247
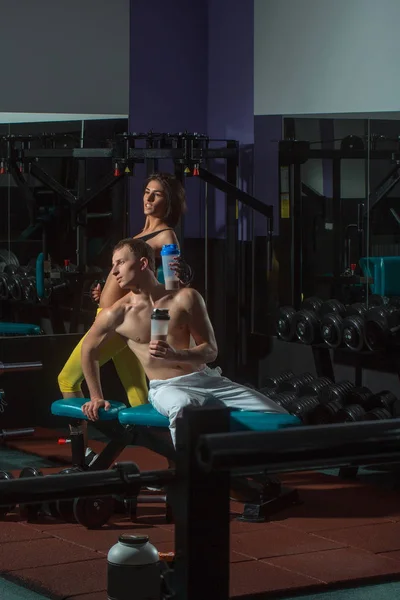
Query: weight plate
8	257
93	512
64	509
4	510
29	512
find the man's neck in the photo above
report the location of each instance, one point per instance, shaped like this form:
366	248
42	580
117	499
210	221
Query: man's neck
149	290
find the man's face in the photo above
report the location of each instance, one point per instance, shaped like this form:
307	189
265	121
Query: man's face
126	268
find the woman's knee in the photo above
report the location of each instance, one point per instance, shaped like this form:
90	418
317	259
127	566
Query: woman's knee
67	385
70	377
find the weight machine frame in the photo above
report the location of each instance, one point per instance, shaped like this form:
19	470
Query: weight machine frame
292	154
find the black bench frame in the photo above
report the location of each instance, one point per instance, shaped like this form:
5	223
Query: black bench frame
261	495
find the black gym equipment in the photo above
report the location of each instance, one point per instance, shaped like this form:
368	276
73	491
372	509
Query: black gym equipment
315	387
336	391
20	366
331	330
15	367
382	327
205	462
303	408
285	326
332	313
4	510
385	400
284	399
296	383
271	384
192	155
323	238
350	413
353	333
306	321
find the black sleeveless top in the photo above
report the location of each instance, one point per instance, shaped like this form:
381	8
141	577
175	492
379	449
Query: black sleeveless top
149	236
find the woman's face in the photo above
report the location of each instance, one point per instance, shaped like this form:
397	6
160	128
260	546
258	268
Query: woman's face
154	199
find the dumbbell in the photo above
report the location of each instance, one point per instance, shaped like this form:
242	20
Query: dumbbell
350	403
363	405
385	400
353	327
315	387
91	512
284	399
295	384
309	322
377	414
332	314
272	383
285	324
306	321
332	400
303	407
382	327
4	510
4	291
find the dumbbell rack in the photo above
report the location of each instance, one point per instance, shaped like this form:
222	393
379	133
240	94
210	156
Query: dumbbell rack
325	358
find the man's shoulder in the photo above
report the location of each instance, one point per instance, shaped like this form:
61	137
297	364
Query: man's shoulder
116	312
188	296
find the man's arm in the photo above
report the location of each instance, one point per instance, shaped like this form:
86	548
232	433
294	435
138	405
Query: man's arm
104	326
201	330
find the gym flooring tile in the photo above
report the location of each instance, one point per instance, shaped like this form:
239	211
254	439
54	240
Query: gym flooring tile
344	532
43	552
274	540
255	577
101	541
339	508
11	459
18	532
338	565
72	579
380	537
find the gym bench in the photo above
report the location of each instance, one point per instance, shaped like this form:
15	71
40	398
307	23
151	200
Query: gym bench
143	426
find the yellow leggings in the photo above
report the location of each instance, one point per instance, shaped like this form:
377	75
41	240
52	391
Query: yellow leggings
128	367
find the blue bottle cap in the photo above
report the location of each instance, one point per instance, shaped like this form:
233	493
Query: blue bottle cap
169	249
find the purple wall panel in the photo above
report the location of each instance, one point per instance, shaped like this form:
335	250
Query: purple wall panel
192	69
168	82
231	91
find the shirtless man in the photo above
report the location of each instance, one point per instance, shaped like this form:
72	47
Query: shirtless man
178	373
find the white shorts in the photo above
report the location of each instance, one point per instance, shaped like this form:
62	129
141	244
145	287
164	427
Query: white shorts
170	396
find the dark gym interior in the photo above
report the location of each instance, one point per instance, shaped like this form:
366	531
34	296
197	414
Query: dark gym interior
291	236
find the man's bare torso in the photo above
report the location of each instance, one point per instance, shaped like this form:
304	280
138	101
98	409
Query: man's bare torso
136	329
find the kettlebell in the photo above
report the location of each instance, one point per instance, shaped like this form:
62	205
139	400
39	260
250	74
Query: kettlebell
133	569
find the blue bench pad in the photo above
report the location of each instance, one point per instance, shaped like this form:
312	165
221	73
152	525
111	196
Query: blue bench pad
145	415
72	408
241	420
19	329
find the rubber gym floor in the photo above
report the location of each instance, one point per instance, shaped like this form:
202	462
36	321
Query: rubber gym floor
342	542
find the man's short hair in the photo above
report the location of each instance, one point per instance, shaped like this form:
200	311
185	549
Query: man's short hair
140	249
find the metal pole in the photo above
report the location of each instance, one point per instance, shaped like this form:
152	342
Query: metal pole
20	366
299	448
